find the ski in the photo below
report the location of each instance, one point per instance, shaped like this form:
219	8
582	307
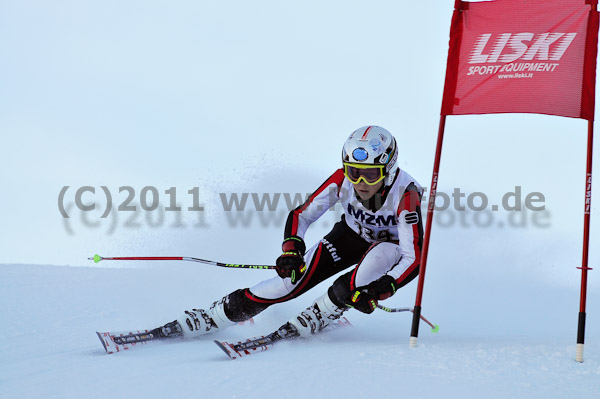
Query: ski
120	341
265	342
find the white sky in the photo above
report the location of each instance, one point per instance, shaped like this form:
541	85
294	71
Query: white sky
237	96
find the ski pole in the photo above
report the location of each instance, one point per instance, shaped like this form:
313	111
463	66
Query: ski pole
97	258
434	327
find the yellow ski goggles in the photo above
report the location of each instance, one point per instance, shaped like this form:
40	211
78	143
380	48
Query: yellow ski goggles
370	174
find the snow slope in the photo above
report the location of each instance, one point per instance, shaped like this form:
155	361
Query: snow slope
257	97
502	335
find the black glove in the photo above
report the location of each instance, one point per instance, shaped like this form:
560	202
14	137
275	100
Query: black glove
291	262
362	301
365	299
382	288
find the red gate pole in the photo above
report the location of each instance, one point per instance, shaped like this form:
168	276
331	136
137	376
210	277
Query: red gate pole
414	333
586	243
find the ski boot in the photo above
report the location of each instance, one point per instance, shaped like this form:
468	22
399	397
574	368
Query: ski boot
198	322
315	318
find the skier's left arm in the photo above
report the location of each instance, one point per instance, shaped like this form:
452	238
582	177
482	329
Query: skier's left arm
410	235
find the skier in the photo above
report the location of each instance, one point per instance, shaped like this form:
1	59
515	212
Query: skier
380	235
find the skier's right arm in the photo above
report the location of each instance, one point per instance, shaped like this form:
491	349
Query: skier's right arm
324	198
291	262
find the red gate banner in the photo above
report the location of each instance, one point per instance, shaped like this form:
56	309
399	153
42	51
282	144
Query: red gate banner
522	56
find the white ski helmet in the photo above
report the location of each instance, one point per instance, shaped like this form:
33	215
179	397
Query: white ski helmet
372	145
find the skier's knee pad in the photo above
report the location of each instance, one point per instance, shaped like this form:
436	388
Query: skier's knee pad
238	307
339	292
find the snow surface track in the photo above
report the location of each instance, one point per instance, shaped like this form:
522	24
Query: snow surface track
490	348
